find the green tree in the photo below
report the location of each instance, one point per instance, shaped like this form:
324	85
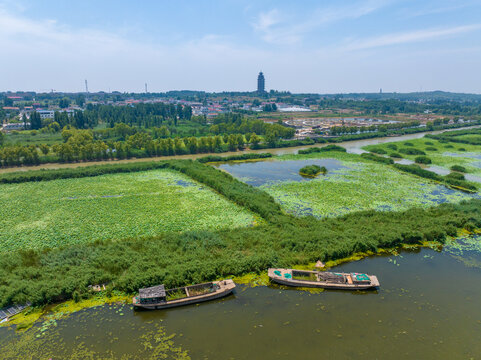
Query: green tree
64	103
35	121
44	148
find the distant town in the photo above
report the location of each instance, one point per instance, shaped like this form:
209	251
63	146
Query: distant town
310	114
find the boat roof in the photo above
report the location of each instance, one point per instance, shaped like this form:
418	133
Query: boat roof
152	292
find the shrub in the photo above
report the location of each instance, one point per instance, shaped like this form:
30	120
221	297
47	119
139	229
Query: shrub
408	144
408	151
430	148
461	149
392	146
376	158
416	170
311	170
449	146
380	151
422	160
458	168
428	143
217	158
456	176
395	155
321	149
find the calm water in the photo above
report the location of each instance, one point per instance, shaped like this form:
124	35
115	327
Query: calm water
261	172
427	308
270	172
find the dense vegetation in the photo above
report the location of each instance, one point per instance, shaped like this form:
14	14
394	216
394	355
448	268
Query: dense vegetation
449	180
458	168
115	206
321	149
311	170
354	184
249	156
376	158
471	136
422	160
55	274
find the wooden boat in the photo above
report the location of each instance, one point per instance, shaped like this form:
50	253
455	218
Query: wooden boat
156	297
323	279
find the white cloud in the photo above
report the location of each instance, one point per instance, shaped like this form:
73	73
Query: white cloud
278	28
410	37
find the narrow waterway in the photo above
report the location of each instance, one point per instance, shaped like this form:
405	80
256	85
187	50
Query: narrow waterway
426	308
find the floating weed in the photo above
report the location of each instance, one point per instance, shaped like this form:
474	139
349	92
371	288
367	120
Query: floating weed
359	186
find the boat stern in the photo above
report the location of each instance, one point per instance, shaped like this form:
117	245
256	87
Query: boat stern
374	281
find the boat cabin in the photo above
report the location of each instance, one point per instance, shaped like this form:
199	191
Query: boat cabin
152	295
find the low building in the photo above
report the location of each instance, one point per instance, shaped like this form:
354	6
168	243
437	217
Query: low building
15	126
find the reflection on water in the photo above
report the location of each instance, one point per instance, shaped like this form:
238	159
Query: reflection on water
261	172
427	308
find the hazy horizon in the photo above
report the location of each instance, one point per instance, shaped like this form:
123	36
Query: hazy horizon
303	47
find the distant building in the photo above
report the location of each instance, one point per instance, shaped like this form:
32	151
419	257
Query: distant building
16	126
261	83
46	114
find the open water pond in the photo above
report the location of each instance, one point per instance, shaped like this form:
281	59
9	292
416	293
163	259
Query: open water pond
258	173
348	186
427	308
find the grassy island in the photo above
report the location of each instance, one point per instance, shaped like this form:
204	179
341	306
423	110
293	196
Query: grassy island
312	170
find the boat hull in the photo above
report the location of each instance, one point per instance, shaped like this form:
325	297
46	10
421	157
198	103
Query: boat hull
227	287
322	285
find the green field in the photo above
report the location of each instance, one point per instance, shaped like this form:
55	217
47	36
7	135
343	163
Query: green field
438	152
363	186
28	138
118	206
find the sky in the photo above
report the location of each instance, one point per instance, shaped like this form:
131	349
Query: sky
317	46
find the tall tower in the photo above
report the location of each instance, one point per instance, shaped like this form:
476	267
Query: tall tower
261	82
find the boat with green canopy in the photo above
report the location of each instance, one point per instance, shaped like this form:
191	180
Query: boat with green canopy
323	279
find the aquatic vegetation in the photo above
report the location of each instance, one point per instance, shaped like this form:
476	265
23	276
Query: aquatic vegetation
380	159
115	206
322	149
362	187
311	170
178	259
458	168
42	341
465	158
422	160
411	151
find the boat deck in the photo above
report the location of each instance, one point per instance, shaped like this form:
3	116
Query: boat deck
225	287
285	277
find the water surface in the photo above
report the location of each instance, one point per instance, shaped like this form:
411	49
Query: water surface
427	308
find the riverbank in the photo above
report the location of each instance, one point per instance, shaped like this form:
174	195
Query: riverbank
52	313
351	146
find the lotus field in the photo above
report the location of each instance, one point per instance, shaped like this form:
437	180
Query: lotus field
364	186
62	212
352	184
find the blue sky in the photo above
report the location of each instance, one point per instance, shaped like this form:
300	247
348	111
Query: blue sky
301	46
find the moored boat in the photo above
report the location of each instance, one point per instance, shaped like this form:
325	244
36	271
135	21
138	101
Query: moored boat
156	297
323	279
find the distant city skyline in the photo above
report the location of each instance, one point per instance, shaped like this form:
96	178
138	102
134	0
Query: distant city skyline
305	47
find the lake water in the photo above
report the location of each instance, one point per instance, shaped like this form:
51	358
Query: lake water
426	308
271	172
